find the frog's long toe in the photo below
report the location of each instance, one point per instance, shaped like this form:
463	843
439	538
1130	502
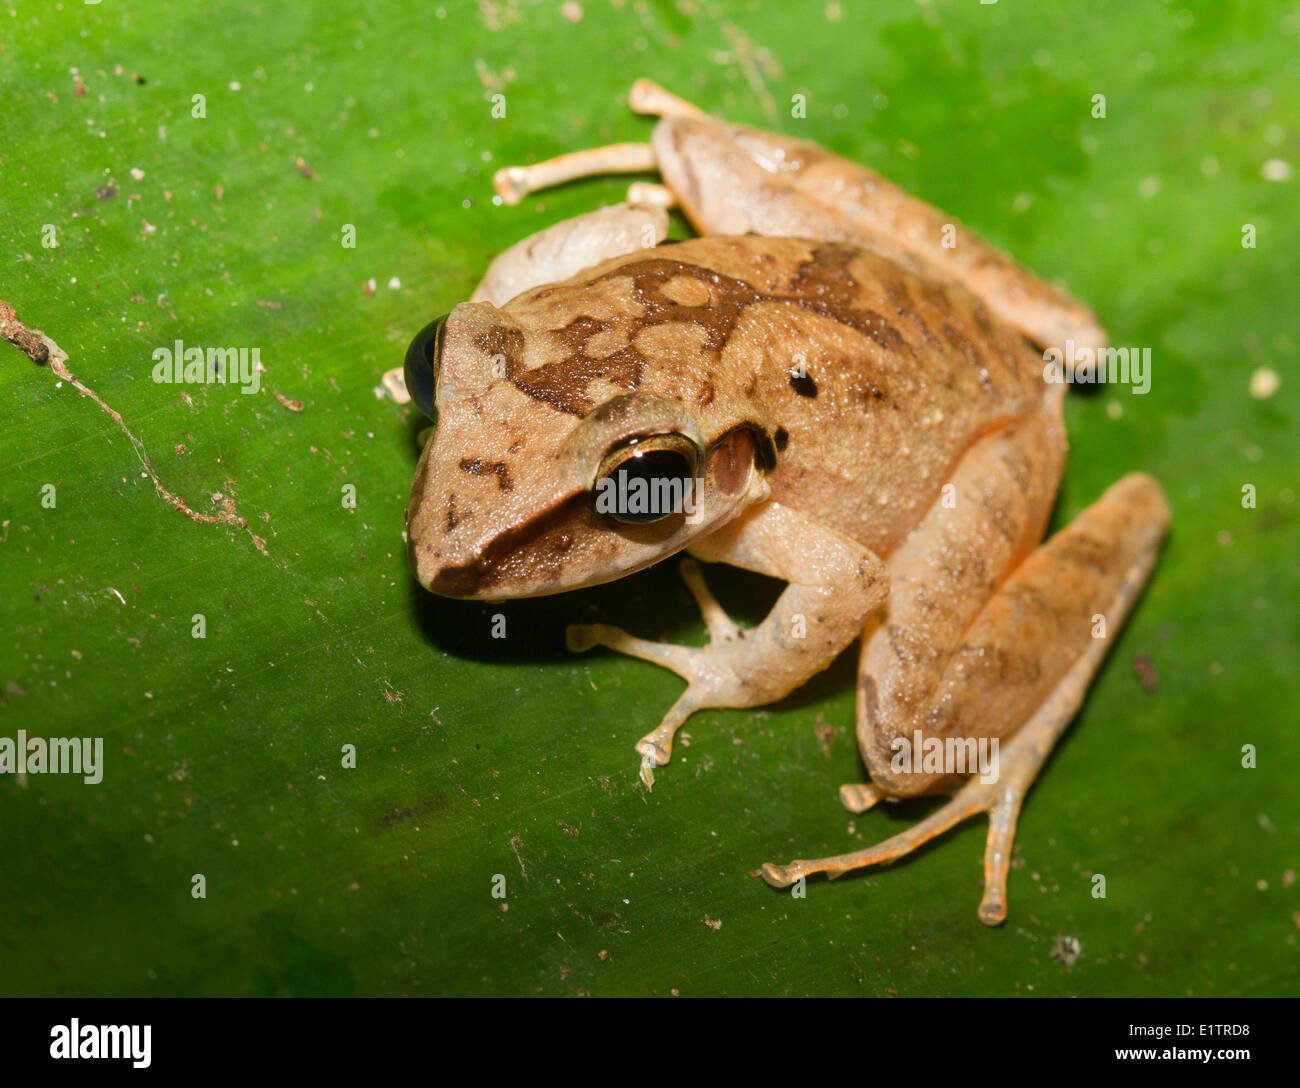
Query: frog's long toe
1018	766
858	797
972	798
721	626
580	637
710	681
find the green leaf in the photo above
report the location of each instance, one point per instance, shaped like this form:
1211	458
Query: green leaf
478	756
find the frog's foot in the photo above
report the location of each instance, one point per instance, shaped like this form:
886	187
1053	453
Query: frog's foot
1015	771
646	96
710	680
394	384
643	194
857	797
974	797
513	183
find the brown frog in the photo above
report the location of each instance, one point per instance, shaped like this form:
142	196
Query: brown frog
835	385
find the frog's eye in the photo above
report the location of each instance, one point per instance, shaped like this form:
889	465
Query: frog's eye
648	479
422	359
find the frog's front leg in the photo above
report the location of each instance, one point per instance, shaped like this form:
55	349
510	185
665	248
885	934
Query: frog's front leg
835	586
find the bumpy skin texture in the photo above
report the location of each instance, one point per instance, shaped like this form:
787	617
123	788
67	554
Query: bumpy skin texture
896	376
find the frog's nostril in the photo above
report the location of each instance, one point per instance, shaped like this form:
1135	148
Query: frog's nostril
422	359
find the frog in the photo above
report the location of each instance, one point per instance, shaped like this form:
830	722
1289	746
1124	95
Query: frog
834	384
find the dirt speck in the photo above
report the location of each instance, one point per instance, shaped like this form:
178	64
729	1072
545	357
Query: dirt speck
516	844
1264	382
1066	949
1146	672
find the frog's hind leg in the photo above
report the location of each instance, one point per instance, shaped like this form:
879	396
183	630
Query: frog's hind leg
513	183
732	179
1096	565
646	96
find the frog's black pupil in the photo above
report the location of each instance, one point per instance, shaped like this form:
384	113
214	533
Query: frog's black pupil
422	365
649	501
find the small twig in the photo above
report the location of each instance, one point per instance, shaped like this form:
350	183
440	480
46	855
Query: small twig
44	350
16	332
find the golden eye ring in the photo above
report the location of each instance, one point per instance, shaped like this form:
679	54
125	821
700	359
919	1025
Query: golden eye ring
648	478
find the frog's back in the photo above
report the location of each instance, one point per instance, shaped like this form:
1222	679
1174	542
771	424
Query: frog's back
869	380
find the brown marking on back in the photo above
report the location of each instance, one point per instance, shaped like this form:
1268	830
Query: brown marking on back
897	293
822	285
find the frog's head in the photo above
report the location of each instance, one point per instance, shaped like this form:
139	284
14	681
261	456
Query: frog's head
544	474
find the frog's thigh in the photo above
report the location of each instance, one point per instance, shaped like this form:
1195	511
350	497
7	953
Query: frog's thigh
565	249
1057	607
725	187
985	520
1041	620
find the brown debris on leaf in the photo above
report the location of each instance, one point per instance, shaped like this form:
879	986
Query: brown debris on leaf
33	342
19	334
1146	672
